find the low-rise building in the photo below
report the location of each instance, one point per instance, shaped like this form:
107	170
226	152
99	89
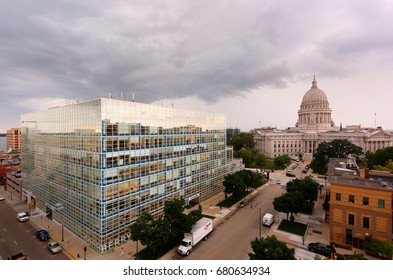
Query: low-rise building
13	184
6	166
361	205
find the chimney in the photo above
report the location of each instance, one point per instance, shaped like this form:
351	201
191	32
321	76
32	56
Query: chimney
366	173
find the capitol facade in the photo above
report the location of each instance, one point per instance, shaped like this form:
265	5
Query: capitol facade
314	126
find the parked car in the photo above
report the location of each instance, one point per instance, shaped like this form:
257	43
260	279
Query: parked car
242	203
54	247
19	256
321	248
289	174
22	216
42	235
1	198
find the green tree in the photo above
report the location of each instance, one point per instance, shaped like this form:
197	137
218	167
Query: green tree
234	184
149	232
281	161
307	186
243	140
289	203
270	248
247	155
338	148
175	219
251	179
260	160
195	215
380	247
379	157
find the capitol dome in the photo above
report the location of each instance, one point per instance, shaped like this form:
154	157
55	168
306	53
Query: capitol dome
315	113
315	97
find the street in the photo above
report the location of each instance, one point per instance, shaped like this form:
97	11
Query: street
231	240
16	237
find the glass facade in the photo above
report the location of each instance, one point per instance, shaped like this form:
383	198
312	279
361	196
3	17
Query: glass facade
96	166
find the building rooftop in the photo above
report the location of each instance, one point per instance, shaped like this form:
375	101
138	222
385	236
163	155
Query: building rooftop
345	171
343	167
358	182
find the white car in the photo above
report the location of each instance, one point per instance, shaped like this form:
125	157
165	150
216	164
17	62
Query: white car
54	247
22	217
1	198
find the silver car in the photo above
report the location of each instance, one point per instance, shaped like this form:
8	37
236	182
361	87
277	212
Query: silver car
22	217
54	247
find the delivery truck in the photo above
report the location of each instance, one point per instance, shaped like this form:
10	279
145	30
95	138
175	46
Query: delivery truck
268	219
200	230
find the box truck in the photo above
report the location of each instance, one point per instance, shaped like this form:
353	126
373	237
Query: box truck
268	219
200	230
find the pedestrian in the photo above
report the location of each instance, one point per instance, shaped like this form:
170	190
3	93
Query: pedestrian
303	239
122	252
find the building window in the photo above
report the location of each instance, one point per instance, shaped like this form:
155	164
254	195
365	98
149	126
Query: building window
381	203
351	219
365	200
366	222
338	196
351	198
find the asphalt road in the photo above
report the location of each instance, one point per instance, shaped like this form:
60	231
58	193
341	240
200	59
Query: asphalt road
231	240
16	237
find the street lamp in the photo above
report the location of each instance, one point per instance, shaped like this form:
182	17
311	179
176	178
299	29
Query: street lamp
62	232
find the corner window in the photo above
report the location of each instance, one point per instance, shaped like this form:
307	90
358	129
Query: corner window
351	219
381	203
365	200
338	196
366	222
351	198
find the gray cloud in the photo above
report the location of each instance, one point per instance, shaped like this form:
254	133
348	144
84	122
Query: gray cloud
169	49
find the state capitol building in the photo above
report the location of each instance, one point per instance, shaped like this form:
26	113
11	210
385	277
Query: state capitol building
315	125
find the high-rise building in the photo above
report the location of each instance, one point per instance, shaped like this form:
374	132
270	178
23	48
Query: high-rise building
14	138
95	166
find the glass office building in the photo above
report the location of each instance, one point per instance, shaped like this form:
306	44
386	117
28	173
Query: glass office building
95	166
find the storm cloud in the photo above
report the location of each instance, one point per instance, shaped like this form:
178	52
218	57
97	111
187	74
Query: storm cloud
172	49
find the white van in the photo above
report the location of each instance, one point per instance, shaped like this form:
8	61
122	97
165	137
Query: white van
22	217
268	219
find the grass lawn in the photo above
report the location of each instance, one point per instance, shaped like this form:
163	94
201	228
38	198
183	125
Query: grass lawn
208	216
293	227
231	200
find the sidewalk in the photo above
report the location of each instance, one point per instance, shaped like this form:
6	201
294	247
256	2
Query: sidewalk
72	245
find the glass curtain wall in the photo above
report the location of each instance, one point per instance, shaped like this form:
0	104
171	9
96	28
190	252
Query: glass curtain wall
97	165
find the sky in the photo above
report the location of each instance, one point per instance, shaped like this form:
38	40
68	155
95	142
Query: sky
252	60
